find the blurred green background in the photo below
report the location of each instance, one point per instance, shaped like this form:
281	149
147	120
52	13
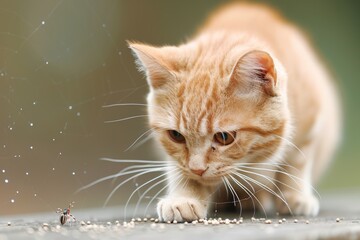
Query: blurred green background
62	60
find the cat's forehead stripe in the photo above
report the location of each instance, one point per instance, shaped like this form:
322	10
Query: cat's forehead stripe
197	98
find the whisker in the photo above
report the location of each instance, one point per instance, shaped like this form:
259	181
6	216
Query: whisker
292	144
276	164
132	177
149	189
266	177
119	174
143	166
226	188
162	189
125	104
291	176
248	192
130	104
266	188
272	180
133	160
143	140
126	118
137	139
234	193
141	186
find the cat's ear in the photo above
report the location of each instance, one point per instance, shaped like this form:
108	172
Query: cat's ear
152	62
254	72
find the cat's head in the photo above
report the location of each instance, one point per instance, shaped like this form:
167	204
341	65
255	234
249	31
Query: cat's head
213	108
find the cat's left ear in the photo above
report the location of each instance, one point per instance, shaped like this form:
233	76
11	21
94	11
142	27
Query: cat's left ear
254	72
153	62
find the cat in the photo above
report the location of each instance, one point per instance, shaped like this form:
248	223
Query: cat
245	106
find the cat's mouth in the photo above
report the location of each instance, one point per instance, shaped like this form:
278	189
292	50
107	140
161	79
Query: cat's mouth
205	179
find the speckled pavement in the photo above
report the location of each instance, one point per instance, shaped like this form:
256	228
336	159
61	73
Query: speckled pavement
339	219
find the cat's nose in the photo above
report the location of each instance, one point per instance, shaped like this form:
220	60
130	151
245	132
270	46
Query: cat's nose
199	172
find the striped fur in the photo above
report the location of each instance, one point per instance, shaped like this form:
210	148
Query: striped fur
249	72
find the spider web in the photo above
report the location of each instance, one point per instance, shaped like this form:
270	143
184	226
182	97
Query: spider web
60	62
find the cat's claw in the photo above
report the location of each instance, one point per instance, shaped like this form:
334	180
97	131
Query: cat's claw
180	209
299	204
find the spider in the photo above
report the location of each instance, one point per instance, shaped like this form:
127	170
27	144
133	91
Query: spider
65	214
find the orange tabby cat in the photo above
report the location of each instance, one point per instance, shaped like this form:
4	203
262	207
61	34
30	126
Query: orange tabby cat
245	105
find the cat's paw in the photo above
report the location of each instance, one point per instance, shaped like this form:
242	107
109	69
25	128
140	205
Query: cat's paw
180	209
299	204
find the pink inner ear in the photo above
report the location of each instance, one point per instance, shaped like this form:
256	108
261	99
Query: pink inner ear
254	69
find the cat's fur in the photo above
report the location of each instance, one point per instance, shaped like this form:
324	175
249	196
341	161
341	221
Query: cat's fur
247	72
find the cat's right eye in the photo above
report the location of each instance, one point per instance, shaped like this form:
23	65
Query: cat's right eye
176	136
225	138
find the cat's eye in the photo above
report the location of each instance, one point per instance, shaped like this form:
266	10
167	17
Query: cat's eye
225	138
176	136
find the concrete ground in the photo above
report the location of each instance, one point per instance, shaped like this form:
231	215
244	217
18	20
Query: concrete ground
339	219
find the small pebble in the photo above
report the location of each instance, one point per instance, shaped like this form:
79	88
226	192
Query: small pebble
152	219
108	223
45	225
145	219
156	220
215	222
295	221
194	222
174	222
117	222
168	222
337	219
307	222
284	219
268	221
9	223
239	222
138	219
82	223
88	222
280	221
186	223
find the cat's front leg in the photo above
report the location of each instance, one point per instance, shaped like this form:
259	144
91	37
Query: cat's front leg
187	203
